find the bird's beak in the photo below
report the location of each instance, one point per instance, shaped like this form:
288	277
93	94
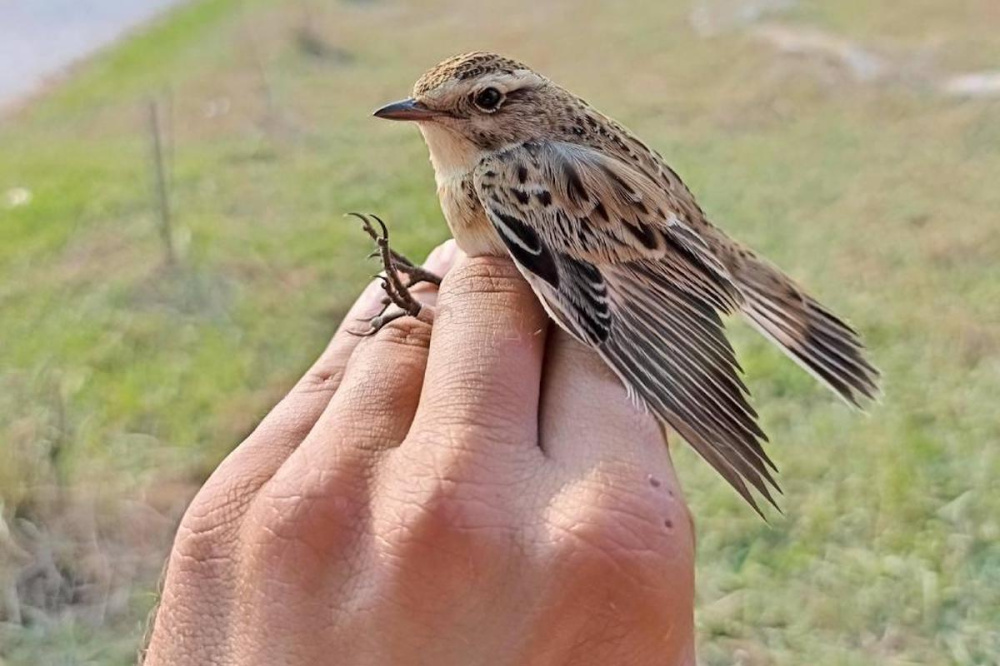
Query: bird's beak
407	109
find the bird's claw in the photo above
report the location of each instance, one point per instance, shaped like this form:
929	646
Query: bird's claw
393	263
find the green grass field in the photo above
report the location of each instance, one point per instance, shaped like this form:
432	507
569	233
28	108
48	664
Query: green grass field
123	382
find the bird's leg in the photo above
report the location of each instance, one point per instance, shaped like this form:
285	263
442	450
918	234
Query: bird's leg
418	274
415	272
384	316
397	292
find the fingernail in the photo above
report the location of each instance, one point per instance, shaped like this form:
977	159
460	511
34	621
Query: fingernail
443	257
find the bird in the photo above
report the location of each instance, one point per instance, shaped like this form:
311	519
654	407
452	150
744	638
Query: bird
621	255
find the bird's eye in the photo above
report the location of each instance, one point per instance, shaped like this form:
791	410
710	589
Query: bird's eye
488	99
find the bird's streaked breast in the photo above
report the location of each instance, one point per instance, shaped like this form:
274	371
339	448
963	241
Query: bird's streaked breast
467	218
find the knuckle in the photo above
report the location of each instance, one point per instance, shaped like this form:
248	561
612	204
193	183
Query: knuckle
398	350
366	397
383	382
318	513
209	530
202	543
216	512
201	553
462	405
475	448
321	378
629	565
451	509
290	421
441	517
208	544
631	533
483	275
405	333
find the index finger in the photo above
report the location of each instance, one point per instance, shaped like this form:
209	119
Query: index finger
485	361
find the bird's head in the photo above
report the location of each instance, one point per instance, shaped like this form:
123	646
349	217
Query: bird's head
480	102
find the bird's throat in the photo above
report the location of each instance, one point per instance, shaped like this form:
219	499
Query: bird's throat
452	155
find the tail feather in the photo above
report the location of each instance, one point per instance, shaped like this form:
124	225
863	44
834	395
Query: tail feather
811	335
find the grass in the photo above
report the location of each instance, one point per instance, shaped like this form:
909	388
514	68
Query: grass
123	383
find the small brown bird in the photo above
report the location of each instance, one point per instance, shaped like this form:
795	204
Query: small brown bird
620	254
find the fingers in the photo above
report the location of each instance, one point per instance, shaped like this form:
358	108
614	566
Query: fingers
318	497
376	397
381	384
289	423
374	406
320	493
587	415
484	366
328	370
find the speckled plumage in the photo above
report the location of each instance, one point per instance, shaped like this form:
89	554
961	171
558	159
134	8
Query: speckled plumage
464	67
621	255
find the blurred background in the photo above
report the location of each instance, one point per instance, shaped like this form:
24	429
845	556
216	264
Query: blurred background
173	255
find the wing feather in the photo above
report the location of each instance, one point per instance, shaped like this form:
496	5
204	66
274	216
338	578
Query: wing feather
636	291
634	270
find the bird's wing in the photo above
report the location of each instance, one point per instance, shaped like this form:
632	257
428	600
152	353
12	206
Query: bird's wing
617	265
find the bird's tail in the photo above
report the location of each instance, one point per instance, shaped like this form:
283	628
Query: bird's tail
810	334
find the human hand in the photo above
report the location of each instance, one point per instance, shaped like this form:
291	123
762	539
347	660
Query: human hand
483	495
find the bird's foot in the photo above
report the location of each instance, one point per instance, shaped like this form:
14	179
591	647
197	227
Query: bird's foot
397	291
417	274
